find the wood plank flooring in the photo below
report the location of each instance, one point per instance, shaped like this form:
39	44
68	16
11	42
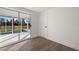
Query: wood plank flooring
37	44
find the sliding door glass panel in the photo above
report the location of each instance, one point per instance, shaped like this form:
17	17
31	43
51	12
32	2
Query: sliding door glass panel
24	33
16	24
5	24
7	35
8	24
2	24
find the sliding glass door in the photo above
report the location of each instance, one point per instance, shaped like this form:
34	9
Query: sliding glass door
6	27
25	28
14	26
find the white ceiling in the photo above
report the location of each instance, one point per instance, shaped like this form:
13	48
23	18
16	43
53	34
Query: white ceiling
38	9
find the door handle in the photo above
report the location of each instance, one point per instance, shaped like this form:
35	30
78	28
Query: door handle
45	26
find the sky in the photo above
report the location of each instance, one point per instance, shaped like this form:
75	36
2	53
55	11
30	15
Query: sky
9	19
6	17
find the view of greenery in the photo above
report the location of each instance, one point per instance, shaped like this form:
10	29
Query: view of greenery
6	24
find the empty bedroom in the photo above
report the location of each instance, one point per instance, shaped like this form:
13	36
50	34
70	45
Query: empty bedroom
39	28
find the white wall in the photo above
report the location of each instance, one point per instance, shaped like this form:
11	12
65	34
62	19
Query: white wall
34	23
63	26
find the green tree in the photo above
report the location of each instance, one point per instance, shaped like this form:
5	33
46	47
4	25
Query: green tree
3	21
23	22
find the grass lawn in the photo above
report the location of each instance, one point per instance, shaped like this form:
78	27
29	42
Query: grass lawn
9	28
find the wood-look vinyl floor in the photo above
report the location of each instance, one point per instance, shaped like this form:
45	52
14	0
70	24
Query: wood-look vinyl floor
37	44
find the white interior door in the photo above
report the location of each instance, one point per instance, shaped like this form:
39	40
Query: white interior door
43	25
52	23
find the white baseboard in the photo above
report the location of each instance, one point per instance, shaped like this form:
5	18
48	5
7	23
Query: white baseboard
63	43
